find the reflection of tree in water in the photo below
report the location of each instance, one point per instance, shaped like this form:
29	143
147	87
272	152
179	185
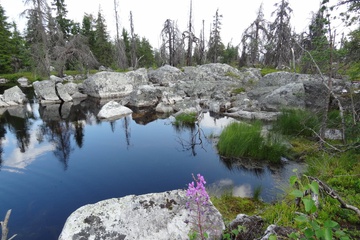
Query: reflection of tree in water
79	133
19	127
126	126
59	133
78	119
195	138
244	164
2	135
127	130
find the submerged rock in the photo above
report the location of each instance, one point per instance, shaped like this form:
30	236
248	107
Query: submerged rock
154	216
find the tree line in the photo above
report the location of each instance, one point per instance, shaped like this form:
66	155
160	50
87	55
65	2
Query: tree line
51	39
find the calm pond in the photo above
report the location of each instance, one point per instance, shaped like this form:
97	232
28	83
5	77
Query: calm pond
57	158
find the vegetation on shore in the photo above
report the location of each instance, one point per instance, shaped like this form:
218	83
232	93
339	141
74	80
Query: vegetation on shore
334	164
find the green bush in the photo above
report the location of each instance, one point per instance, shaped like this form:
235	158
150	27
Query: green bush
245	140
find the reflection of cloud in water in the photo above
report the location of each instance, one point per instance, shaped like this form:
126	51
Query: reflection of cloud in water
18	161
217	124
226	186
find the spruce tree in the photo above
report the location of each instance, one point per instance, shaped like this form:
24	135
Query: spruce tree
216	47
6	43
103	48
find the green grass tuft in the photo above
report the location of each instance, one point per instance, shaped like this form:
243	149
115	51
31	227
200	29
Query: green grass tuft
245	140
296	122
185	119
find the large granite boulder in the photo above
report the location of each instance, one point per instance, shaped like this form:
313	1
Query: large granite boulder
165	75
145	96
15	95
154	216
62	93
114	84
291	95
46	91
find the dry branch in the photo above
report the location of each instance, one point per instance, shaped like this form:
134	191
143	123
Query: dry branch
4	227
330	192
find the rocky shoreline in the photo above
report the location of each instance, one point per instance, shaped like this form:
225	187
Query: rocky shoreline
218	88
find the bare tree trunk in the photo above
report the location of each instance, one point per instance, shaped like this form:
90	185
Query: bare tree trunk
120	54
190	40
133	43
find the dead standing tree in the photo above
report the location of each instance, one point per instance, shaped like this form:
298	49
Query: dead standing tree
37	36
171	41
190	36
279	46
120	53
74	51
133	42
254	39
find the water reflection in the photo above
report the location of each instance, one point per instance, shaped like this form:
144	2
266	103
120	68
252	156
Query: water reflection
136	154
195	137
227	186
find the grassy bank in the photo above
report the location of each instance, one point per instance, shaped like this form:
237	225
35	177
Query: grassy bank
334	163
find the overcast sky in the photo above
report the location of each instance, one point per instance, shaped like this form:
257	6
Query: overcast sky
150	15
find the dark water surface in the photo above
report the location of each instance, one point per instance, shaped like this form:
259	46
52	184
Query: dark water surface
57	158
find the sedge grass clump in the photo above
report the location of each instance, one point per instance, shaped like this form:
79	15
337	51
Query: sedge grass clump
185	119
296	122
246	140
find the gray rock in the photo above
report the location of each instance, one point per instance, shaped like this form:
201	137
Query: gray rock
3	80
164	108
165	75
261	115
279	232
3	104
23	81
291	95
56	79
113	110
333	134
62	93
252	226
71	88
14	94
78	95
68	78
45	91
154	216
282	78
113	84
145	96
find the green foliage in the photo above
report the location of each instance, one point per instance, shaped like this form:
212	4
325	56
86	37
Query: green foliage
267	70
238	90
230	55
232	74
245	140
230	206
296	122
6	43
233	233
309	225
185	119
